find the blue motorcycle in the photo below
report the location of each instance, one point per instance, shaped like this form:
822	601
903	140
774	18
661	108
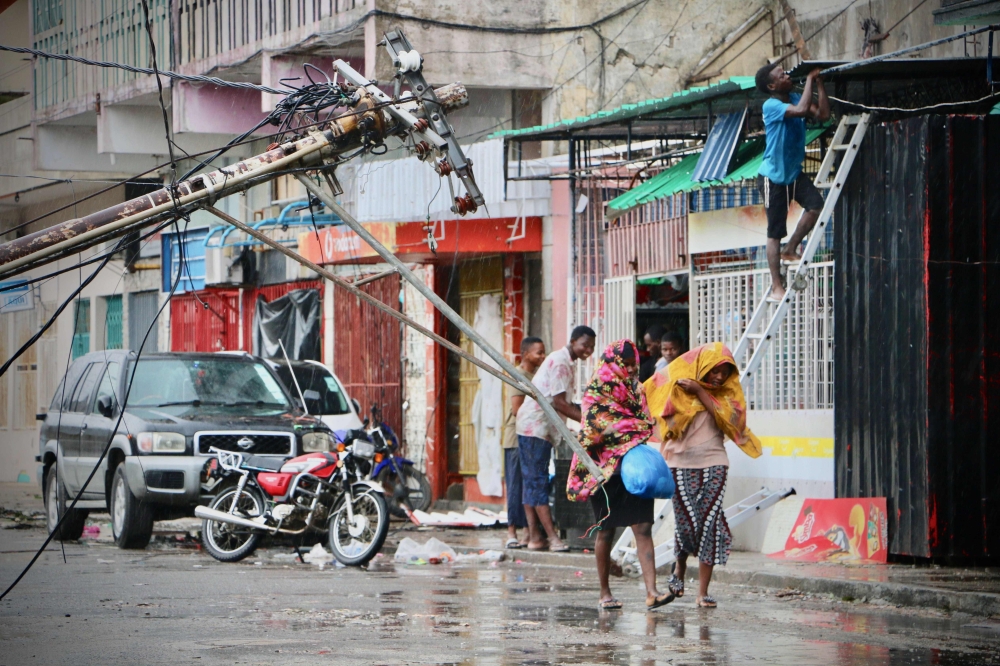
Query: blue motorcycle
406	487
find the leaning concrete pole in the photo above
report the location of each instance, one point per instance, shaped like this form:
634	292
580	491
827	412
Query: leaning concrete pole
455	318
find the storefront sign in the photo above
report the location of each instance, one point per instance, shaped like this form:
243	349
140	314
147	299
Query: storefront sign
340	244
16	295
838	530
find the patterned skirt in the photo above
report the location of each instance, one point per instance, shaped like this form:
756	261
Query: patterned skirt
702	529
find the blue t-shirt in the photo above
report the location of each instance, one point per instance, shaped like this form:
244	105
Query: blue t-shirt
786	142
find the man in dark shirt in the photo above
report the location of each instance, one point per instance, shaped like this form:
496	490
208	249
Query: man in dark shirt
652	343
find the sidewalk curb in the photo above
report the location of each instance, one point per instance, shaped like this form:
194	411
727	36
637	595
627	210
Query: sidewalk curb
897	594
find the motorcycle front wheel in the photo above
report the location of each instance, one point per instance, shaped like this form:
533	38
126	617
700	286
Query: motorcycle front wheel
356	542
232	543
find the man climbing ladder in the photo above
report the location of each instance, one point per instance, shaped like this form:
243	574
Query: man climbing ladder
781	171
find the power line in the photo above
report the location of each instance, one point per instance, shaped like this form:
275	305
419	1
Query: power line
111	437
190	78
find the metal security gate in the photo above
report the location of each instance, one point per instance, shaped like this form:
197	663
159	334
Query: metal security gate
113	321
797	372
142	307
619	311
367	350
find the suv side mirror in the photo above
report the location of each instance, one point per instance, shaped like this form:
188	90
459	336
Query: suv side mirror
105	406
357	405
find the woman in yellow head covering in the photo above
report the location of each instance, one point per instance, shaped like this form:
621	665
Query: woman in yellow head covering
698	402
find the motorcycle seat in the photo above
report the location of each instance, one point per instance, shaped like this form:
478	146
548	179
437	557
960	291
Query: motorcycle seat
264	463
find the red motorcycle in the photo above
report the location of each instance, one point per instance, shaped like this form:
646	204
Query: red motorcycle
317	491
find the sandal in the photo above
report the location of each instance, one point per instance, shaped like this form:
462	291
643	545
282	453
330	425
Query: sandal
661	600
705	602
676	585
558	547
610	604
513	544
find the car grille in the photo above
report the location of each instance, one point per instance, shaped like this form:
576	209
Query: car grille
263	443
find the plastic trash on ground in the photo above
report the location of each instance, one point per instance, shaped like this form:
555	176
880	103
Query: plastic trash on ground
482	556
318	555
433	552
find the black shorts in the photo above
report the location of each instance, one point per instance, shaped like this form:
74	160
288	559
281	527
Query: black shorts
778	197
625	508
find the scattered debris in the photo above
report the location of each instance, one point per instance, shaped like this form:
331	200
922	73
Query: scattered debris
432	552
482	556
473	517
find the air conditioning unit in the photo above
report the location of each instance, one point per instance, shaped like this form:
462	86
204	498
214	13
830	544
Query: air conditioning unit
221	266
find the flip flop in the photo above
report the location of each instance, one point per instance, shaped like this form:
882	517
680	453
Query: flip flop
661	600
610	604
705	602
513	544
676	586
562	548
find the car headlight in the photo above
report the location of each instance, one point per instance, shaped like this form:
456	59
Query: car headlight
363	449
161	442
313	442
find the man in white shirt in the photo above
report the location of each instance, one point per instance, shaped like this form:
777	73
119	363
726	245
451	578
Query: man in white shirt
554	380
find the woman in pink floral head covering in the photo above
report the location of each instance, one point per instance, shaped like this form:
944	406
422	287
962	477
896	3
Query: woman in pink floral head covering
616	420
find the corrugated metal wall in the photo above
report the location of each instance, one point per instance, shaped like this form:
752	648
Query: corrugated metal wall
918	333
193	327
367	353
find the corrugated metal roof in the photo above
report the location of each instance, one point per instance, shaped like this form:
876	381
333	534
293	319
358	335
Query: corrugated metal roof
678	178
720	147
660	107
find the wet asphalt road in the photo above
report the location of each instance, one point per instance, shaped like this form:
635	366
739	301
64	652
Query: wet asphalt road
171	604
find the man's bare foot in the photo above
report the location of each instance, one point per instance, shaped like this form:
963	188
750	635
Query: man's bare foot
557	546
777	293
791	256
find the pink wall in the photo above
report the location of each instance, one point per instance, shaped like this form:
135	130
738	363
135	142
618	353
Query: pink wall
561	263
212	110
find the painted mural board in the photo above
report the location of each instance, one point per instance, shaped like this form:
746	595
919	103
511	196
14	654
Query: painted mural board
850	530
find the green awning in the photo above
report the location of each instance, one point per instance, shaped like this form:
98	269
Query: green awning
677	178
658	108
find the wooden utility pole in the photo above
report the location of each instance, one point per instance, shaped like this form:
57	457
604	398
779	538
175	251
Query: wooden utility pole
793	23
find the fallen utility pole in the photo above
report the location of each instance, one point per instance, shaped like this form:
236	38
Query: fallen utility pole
457	320
375	117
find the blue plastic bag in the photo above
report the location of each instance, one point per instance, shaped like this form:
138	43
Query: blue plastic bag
645	473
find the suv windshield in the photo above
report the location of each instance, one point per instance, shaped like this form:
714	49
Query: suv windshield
225	382
315	378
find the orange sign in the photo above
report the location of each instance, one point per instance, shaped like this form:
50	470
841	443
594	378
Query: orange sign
841	530
337	244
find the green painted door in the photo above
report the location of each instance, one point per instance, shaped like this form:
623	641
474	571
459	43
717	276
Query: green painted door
113	323
81	332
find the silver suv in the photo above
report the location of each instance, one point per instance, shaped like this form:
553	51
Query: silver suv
180	405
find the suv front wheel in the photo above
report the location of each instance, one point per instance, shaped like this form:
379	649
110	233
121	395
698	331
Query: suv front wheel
131	519
55	506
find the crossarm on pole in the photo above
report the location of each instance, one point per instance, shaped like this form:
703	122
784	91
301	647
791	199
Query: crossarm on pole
461	324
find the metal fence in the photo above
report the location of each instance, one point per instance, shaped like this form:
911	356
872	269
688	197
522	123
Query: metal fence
649	239
797	371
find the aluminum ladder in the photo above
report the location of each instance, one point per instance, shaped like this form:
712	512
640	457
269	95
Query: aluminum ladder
772	311
624	552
